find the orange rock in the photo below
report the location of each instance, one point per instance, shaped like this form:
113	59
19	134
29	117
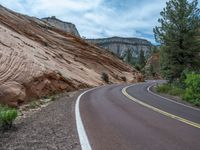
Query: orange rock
46	60
12	93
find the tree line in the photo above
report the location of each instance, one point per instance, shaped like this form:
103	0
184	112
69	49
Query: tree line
179	37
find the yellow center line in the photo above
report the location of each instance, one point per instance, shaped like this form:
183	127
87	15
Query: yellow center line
124	91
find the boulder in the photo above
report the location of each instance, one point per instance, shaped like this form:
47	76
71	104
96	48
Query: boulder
12	93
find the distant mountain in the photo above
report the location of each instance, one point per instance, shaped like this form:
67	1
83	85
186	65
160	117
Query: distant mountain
59	24
120	45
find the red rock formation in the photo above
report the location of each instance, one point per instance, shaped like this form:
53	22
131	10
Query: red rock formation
152	68
46	60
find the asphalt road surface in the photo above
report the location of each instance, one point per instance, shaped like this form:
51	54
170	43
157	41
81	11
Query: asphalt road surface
117	117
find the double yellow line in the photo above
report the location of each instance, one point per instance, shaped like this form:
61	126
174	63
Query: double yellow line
124	91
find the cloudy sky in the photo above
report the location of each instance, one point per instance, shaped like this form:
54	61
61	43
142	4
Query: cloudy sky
97	18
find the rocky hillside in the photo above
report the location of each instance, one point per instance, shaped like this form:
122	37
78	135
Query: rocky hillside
152	68
65	26
119	45
37	59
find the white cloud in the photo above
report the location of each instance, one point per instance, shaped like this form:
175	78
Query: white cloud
60	6
97	18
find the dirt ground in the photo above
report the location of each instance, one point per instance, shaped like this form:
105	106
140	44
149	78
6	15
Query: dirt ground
51	128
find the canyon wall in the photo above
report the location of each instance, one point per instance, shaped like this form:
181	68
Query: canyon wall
119	45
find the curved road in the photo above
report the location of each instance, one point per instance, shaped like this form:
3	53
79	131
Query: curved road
117	117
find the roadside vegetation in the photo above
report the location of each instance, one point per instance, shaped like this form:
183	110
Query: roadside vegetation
192	91
7	117
179	38
189	91
170	89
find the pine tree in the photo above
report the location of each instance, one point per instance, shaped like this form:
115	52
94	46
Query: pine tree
128	56
179	37
151	71
142	60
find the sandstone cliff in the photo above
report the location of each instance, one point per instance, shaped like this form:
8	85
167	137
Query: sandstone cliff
119	45
65	26
37	59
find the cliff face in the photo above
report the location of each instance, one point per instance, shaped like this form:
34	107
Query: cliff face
120	45
37	59
64	26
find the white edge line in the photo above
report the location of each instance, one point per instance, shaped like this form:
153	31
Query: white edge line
85	144
148	90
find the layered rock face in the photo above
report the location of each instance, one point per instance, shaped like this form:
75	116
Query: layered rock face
65	26
120	45
37	59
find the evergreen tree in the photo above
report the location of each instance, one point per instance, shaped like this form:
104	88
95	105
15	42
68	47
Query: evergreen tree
155	49
151	71
142	60
179	37
128	56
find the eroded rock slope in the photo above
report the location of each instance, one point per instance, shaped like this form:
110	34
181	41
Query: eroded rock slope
37	59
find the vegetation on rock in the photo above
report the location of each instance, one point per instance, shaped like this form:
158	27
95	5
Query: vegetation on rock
105	77
142	60
128	57
124	79
137	62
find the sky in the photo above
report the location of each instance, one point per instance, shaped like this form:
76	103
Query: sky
98	18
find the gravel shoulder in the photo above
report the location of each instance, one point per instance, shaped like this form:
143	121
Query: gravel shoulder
51	128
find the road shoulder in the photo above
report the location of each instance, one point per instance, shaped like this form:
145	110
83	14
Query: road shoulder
52	128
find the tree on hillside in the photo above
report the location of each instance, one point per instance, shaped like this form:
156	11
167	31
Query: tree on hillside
155	49
128	56
152	71
142	60
179	37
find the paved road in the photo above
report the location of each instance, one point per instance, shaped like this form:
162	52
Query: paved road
114	122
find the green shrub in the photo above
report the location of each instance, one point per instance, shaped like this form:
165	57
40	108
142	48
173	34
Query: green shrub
192	93
164	88
176	91
105	77
7	116
137	67
170	89
189	90
124	79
